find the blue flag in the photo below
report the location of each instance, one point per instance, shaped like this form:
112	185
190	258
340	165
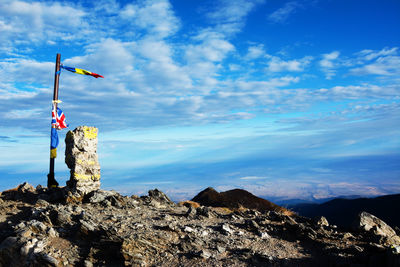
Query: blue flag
54	138
53	143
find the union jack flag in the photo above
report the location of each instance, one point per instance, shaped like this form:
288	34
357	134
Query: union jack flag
58	121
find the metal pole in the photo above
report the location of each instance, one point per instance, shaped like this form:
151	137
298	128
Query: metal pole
51	181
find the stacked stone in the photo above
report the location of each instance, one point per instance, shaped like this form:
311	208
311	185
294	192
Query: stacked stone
81	158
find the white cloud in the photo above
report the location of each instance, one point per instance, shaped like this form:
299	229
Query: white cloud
13	94
329	63
277	65
156	17
358	91
163	73
40	21
213	47
203	57
368	54
229	15
327	59
143	66
232	10
255	52
109	7
128	12
19	70
110	55
253	178
272	83
5	27
385	63
282	14
234	67
22	114
170	97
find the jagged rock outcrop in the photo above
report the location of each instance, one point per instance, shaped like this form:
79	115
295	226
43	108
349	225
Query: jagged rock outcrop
378	228
81	158
235	199
108	229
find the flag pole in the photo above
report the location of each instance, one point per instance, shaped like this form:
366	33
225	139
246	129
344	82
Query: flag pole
51	181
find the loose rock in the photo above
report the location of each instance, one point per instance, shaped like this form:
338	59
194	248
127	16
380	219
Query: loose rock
108	229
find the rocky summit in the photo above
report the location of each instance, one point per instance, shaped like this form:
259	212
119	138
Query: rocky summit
53	227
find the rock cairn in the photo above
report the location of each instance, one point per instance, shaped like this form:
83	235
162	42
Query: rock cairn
81	158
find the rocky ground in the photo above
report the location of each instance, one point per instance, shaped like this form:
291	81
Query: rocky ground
57	227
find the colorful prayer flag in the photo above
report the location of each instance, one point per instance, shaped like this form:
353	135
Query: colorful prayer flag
53	143
58	120
81	71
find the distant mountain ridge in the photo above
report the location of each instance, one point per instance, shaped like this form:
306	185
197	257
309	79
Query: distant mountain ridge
342	212
284	202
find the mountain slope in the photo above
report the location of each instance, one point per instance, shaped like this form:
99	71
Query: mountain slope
342	212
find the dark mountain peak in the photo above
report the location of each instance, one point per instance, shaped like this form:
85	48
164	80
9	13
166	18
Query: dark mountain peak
209	190
236	198
208	197
238	191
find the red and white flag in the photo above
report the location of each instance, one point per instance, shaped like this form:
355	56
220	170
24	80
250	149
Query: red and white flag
58	120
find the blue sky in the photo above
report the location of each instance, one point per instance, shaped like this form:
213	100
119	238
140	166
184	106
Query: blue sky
286	99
